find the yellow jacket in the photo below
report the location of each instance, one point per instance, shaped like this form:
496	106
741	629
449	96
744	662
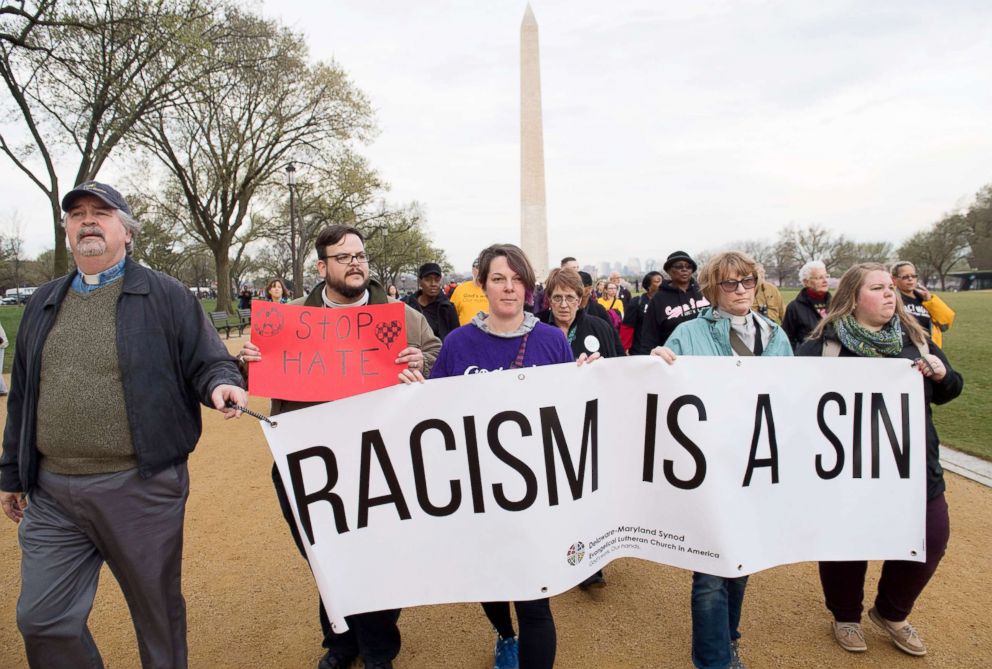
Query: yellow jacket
767	295
942	317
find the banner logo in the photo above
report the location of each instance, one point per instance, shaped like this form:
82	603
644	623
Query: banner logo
576	552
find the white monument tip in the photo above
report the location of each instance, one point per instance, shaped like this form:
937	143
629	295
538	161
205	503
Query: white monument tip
529	15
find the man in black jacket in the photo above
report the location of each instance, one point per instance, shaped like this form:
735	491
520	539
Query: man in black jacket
431	301
112	364
678	300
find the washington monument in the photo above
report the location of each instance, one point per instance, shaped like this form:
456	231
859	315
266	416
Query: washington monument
533	208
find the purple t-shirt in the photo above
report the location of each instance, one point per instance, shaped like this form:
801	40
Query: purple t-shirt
469	350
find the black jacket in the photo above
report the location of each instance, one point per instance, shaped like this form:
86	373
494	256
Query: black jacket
441	314
801	318
669	307
591	335
624	296
170	357
933	391
597	310
633	317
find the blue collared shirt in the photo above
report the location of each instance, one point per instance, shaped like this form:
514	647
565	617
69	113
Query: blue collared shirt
105	277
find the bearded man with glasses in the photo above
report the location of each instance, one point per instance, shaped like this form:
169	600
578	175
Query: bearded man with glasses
344	266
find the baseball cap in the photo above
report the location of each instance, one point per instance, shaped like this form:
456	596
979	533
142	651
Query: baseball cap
102	191
429	268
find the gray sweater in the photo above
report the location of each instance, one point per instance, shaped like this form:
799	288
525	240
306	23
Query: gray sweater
82	418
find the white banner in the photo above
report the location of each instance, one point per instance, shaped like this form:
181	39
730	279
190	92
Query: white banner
518	484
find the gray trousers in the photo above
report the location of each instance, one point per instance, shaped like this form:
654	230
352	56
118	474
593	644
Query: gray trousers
72	525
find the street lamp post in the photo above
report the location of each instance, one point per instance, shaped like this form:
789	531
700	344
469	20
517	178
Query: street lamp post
297	278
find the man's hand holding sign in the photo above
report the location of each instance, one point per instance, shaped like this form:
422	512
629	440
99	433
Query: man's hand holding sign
346	337
316	354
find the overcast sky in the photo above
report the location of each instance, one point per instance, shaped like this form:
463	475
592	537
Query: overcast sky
667	125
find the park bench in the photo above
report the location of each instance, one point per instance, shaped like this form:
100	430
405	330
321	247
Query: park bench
245	317
223	324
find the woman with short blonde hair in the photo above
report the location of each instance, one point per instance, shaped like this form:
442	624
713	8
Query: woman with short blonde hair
727	328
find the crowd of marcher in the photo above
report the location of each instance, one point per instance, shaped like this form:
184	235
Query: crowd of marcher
99	428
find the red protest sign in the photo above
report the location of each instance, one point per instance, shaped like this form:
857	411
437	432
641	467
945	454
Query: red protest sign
314	354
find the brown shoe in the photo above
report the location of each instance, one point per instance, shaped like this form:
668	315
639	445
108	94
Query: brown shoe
850	637
902	634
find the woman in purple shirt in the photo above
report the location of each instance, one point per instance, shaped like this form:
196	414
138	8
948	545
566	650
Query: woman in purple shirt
509	338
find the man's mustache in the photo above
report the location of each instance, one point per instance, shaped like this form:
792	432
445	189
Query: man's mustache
89	232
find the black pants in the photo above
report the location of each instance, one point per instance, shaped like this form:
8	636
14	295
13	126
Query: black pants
538	639
901	582
375	635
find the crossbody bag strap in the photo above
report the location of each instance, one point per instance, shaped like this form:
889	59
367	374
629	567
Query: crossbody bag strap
736	343
518	362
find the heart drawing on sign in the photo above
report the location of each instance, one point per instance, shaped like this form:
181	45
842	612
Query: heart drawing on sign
387	332
269	324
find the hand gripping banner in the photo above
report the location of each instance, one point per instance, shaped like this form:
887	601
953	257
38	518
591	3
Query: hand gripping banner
518	484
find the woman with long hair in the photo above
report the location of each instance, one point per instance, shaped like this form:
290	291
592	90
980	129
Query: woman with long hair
867	320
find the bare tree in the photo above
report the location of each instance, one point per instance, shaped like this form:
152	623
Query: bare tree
239	126
81	74
784	258
938	250
12	255
341	189
398	242
978	229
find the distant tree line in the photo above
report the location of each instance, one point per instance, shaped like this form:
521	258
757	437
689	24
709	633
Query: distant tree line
211	103
958	241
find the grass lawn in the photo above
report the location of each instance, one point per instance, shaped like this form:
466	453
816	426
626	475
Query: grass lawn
10	318
964	423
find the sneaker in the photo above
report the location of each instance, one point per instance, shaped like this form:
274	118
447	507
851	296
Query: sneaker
507	653
336	659
594	581
735	658
902	634
850	637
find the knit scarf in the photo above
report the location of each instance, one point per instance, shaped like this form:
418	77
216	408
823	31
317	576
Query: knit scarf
885	343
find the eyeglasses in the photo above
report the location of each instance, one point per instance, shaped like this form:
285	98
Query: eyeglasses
564	299
730	285
348	258
908	276
681	265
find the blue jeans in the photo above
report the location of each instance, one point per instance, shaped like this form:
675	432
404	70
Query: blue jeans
716	613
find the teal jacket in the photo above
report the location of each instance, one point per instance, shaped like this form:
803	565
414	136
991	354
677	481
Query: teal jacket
708	335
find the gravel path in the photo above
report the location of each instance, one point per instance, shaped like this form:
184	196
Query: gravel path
252	603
